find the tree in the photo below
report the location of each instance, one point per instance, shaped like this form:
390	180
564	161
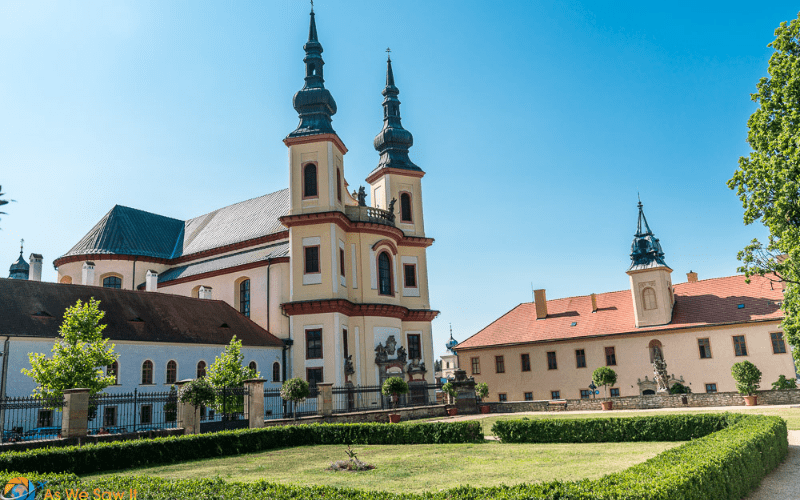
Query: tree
295	390
226	371
768	180
747	377
678	388
394	387
603	377
78	356
784	383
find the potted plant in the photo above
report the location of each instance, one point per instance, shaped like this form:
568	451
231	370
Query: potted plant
481	391
394	387
747	378
451	391
604	377
295	390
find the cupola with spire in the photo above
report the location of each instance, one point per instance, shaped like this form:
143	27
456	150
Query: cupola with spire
20	269
314	103
393	141
651	284
452	343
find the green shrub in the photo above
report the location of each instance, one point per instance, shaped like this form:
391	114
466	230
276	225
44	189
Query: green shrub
482	390
747	377
604	376
723	465
142	452
197	392
450	390
784	383
678	388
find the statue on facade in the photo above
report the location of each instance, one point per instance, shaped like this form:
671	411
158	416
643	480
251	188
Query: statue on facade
349	369
380	354
391	343
401	354
660	370
362	197
391	208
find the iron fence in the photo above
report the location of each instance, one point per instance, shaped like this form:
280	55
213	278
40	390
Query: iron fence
30	418
275	407
352	398
229	410
132	412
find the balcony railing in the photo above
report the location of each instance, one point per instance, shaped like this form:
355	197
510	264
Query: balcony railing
369	214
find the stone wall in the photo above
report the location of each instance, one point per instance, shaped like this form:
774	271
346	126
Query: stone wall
790	396
381	416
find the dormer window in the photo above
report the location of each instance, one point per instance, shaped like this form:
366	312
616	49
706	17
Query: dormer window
649	299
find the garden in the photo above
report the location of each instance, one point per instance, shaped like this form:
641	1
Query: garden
703	456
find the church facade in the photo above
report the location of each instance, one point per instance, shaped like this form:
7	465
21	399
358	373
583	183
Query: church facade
343	284
548	349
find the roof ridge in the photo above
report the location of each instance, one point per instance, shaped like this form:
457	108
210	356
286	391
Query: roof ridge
237	203
143	211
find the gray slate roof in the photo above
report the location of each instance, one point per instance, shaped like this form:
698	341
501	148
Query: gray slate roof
129	231
227	261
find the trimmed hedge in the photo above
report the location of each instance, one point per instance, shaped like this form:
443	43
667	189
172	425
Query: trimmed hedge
724	465
613	430
121	455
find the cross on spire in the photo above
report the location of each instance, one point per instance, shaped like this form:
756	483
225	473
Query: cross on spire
21	243
312	5
388	53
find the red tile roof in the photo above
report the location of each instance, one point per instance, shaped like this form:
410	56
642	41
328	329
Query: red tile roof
704	303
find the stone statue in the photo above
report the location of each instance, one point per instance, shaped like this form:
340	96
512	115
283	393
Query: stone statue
401	354
391	208
660	370
391	343
380	354
362	197
349	369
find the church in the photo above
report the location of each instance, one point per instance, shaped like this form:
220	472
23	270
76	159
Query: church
342	284
548	349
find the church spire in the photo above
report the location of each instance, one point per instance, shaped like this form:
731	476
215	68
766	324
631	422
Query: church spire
393	141
313	103
646	250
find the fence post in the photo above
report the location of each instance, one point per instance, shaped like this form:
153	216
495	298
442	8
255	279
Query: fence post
75	416
188	414
254	402
326	396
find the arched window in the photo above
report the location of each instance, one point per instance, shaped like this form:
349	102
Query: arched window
405	207
384	274
201	369
112	282
147	372
113	370
244	297
339	184
649	298
253	366
172	371
276	372
310	181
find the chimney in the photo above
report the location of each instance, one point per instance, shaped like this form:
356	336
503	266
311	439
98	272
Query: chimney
87	274
594	302
691	277
541	303
204	292
36	267
151	281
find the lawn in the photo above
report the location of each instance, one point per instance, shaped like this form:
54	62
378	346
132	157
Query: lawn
791	415
420	468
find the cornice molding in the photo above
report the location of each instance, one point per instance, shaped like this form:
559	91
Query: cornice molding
306	139
350	309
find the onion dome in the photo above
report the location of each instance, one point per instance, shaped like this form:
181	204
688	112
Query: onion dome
314	103
393	141
646	252
20	269
452	342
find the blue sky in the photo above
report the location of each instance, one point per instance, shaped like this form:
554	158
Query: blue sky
537	124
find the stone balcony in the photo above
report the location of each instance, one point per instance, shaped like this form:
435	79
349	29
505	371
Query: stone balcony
369	214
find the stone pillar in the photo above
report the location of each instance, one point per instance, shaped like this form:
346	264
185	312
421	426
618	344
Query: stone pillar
75	416
188	414
254	402
466	401
325	399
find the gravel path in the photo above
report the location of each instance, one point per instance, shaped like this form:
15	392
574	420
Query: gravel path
784	482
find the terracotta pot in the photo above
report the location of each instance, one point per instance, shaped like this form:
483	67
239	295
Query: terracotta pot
607	405
485	408
394	418
750	400
452	412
